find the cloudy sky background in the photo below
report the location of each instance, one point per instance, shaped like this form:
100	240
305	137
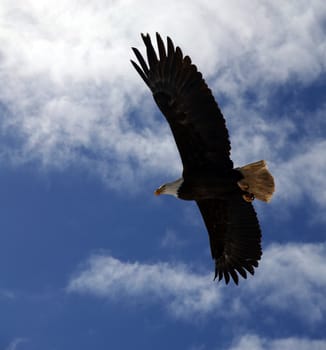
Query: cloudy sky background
89	258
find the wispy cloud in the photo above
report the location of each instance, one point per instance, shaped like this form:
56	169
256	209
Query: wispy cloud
296	267
171	239
255	342
7	294
302	175
180	290
15	343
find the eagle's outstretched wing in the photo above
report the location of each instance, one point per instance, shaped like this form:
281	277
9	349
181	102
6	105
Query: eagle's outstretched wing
234	236
184	98
199	130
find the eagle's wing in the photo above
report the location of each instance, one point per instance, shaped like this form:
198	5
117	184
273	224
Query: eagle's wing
187	103
234	236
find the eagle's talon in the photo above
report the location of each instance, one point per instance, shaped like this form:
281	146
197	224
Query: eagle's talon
248	197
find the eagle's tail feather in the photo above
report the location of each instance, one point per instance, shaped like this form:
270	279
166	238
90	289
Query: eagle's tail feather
257	180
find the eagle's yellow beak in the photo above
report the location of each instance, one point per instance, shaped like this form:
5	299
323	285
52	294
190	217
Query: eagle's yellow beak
159	191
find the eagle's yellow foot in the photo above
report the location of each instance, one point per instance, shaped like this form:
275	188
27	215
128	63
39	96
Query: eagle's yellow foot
248	197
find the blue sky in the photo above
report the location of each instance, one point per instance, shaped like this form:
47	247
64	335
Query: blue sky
89	257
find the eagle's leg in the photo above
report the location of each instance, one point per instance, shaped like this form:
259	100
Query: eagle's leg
247	196
243	185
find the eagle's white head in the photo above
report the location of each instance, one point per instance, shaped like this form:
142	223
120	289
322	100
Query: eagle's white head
170	188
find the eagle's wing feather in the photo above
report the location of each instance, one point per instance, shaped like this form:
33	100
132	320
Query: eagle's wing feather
234	235
184	98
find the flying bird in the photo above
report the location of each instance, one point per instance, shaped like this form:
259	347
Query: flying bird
224	194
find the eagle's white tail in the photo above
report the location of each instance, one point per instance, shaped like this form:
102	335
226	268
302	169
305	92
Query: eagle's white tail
257	180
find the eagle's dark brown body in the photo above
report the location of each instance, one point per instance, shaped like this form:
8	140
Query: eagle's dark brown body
205	185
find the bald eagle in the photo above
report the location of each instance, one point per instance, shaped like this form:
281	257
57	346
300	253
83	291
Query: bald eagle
224	194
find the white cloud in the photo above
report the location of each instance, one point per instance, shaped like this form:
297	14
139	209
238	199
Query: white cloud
181	291
291	279
303	174
254	342
73	98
